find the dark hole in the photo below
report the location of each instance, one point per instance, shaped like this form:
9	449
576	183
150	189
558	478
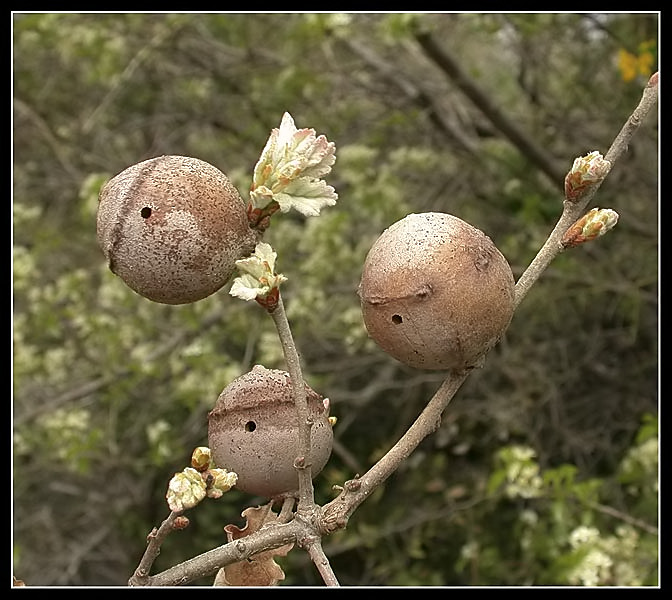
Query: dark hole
250	426
145	212
396	319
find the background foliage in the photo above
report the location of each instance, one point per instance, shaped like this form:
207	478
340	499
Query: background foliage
544	469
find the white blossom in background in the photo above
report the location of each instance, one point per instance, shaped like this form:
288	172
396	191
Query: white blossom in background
583	535
594	569
522	474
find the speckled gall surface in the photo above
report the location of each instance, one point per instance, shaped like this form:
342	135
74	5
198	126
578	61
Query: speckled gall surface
435	292
172	228
253	431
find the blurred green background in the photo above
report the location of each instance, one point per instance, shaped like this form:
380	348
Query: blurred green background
544	469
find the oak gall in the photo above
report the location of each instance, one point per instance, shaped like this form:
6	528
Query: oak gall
435	292
172	228
253	431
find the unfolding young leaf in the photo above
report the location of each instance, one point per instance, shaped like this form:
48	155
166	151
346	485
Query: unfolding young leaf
291	168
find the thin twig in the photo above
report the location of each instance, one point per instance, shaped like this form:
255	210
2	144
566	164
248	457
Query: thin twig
321	562
154	541
612	512
208	563
573	210
303	460
337	512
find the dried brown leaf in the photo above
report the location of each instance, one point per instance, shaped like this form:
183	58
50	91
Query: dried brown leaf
260	569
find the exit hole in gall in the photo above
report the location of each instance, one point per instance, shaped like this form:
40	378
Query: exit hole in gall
397	319
250	426
145	212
